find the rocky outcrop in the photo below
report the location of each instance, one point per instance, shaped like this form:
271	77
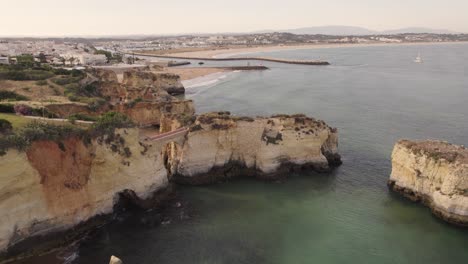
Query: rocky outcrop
136	84
151	113
55	186
168	82
115	260
220	146
434	173
67	109
70	184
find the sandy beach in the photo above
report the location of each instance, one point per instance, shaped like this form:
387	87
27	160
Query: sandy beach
193	75
189	73
229	52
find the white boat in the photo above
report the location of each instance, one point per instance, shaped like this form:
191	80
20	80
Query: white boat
418	59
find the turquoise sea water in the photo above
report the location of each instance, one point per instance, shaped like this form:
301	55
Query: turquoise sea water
374	96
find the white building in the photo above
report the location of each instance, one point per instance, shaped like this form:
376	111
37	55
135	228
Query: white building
84	59
93	59
382	39
4	60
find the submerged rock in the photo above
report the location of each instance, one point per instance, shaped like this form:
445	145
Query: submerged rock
434	173
115	260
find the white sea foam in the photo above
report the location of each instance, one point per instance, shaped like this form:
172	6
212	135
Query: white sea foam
69	256
196	85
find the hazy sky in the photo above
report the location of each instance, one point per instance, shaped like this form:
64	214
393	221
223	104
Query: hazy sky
109	17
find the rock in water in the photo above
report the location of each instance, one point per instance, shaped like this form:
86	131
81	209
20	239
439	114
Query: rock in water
221	146
115	260
434	173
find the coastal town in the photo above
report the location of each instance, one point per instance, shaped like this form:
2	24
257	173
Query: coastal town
102	51
95	131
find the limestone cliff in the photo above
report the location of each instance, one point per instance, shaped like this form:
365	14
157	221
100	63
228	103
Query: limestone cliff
137	84
56	186
220	146
64	110
151	113
434	173
168	82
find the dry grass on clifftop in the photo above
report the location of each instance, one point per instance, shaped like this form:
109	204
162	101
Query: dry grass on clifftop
438	150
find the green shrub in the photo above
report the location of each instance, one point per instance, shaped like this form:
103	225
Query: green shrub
73	98
35	131
43	131
90	89
7	108
43	112
41	82
72	119
134	102
64	80
11	141
77	73
5	126
108	122
60	71
96	104
19	73
12	96
73	89
83	117
25	60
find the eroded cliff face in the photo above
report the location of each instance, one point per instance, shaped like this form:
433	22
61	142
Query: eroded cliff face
135	84
220	146
434	173
152	113
67	109
56	186
168	82
143	96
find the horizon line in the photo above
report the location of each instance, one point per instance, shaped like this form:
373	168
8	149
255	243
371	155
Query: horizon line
264	31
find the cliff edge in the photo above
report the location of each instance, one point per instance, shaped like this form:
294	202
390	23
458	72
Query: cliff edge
56	186
434	173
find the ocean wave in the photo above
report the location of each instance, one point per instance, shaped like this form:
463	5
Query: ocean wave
69	256
199	84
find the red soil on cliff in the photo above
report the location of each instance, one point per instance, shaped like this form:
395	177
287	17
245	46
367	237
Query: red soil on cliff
64	169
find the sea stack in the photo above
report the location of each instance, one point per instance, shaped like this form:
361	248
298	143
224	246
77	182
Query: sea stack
220	146
434	173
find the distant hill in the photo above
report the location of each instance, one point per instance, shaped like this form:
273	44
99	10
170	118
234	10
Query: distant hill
331	30
418	30
357	31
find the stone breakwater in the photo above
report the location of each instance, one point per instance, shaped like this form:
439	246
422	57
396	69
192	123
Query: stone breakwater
284	61
434	173
54	191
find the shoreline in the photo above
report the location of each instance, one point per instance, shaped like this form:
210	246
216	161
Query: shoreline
190	73
205	80
194	76
227	53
